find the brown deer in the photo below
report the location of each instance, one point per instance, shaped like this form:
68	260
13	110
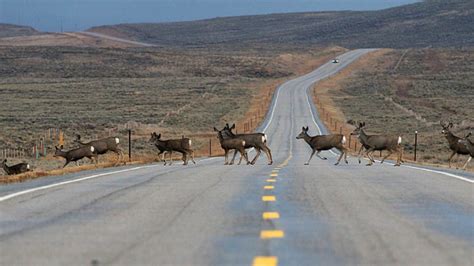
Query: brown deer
233	143
320	143
103	146
76	154
373	143
252	140
14	169
453	141
469	146
182	146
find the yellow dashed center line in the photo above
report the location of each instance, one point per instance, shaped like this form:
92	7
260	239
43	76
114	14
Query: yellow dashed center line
268	198
270	215
267	234
271	180
268	187
273	175
265	261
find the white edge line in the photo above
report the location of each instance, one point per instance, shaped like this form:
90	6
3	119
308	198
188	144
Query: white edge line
406	166
16	194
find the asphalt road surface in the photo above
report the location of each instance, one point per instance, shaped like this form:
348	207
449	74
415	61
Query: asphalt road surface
211	214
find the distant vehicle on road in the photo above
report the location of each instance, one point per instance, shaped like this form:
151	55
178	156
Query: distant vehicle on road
335	60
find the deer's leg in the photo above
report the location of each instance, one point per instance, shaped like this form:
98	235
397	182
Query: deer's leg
241	156
233	157
310	157
259	151
345	154
340	157
386	156
451	157
367	153
226	153
245	155
67	162
184	158
192	155
467	162
171	157
268	153
322	158
359	155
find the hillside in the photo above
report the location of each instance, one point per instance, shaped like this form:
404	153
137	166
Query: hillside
447	23
10	30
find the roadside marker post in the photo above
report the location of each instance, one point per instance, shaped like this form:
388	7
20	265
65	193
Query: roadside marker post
416	144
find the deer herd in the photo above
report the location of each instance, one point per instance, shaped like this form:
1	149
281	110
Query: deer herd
240	143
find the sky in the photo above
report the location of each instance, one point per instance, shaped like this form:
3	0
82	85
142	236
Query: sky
76	15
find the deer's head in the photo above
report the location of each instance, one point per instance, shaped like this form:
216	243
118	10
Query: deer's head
154	137
59	151
304	133
446	128
359	126
227	131
220	132
3	163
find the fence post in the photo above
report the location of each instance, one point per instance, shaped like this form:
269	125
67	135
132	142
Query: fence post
130	145
210	147
416	144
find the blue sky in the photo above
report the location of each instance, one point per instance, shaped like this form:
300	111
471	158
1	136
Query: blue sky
73	15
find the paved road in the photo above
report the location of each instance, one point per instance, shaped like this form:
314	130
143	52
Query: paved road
211	214
116	39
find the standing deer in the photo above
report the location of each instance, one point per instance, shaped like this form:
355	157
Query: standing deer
373	143
182	145
14	169
320	143
233	143
252	140
76	154
469	146
102	146
453	141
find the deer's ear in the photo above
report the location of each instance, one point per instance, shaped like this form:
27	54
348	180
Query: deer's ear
227	125
306	129
215	129
302	128
233	126
363	124
61	147
159	136
350	122
450	125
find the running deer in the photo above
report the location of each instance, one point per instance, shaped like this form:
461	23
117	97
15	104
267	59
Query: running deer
233	143
182	146
453	141
373	143
76	154
469	146
102	146
320	143
15	169
252	140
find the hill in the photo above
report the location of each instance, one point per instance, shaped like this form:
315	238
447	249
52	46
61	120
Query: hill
10	30
446	23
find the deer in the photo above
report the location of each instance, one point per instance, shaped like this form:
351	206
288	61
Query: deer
252	140
102	146
15	169
320	143
373	143
76	154
182	145
234	143
456	147
469	146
